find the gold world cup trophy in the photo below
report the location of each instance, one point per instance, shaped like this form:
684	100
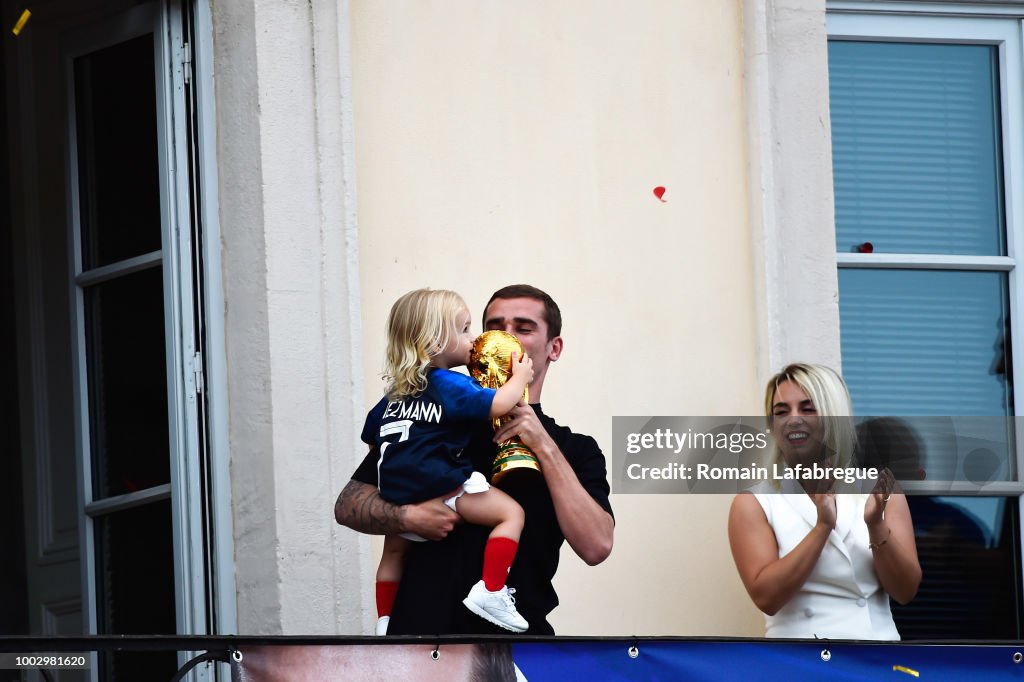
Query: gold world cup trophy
490	363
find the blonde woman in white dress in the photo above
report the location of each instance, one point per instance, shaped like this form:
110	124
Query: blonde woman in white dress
817	563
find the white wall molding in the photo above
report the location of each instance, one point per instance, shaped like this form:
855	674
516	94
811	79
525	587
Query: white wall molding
791	198
290	273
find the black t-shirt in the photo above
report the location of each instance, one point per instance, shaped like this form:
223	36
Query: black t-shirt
438	575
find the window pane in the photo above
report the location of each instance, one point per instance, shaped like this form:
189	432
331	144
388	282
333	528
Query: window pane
970	568
916	147
919	342
127	383
135	587
117	152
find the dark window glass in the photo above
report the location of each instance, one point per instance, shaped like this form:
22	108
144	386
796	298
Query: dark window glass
135	587
970	561
118	168
128	383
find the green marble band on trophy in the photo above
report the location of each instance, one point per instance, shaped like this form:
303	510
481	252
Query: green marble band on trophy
490	363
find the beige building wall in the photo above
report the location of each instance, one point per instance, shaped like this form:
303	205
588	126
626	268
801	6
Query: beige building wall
366	148
504	142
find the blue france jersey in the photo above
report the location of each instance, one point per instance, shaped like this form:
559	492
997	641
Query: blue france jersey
421	439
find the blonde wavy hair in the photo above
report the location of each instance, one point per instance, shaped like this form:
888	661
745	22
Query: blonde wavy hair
831	399
421	324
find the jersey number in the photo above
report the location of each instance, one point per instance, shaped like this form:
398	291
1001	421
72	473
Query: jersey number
401	427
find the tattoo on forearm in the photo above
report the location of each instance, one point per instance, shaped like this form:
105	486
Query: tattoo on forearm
363	509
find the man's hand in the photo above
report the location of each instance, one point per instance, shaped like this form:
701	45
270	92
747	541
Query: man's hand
361	508
432	520
524	423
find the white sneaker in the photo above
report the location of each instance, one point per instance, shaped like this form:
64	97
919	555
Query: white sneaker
497	607
382	626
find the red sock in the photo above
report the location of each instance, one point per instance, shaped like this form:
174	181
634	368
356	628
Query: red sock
498	556
386	591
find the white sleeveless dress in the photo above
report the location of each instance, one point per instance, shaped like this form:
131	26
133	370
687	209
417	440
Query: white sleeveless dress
842	598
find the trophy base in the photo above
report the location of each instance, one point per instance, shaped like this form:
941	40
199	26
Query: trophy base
513	456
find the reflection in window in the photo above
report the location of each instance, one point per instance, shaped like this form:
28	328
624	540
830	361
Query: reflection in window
970	563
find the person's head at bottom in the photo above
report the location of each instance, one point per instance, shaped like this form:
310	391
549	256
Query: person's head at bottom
482	662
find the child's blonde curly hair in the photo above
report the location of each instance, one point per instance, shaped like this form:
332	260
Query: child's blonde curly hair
420	326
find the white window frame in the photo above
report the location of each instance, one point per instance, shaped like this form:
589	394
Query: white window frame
223	545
